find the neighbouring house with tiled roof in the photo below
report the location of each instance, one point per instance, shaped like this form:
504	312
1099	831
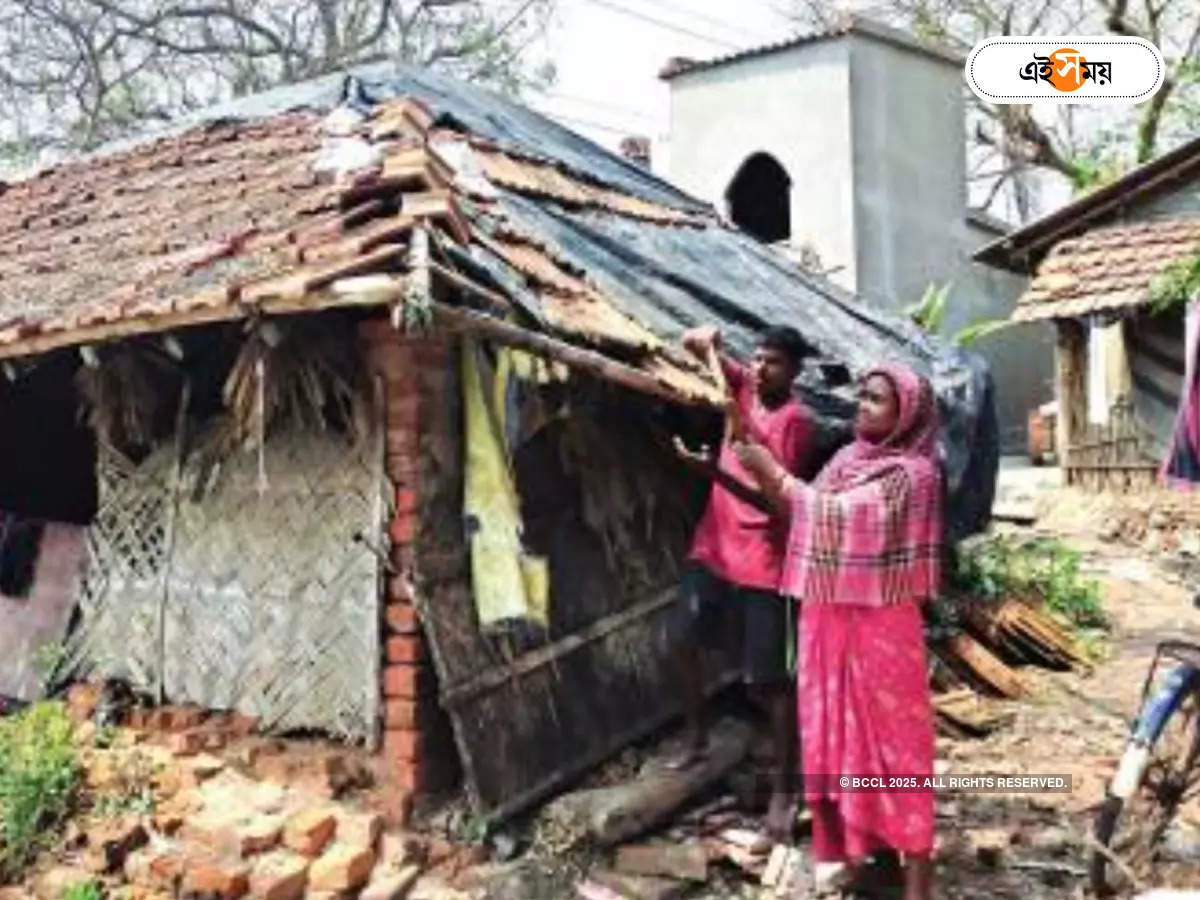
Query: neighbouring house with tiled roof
852	141
1096	268
356	399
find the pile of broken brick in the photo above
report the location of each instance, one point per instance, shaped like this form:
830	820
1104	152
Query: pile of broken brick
192	804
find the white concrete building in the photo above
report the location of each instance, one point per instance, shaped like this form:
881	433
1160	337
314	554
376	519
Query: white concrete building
852	141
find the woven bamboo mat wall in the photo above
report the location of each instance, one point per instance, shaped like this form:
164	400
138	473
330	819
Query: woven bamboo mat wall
261	602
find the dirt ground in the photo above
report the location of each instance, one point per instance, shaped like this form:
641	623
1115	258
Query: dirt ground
1032	847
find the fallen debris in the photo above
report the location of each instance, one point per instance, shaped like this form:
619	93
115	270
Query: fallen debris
614	814
965	654
1024	633
638	887
688	862
965	714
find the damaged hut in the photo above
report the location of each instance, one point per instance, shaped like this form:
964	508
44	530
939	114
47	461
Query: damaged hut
1114	271
357	397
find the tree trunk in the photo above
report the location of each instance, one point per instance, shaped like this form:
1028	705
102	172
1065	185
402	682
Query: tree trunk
613	814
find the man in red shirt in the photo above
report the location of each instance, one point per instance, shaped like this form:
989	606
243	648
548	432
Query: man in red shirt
732	576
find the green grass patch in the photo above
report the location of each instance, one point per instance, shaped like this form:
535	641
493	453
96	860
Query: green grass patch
39	777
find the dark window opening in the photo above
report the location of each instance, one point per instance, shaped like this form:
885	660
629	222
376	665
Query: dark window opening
759	199
48	455
19	543
47	465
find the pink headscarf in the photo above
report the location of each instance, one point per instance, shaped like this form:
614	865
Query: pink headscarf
869	530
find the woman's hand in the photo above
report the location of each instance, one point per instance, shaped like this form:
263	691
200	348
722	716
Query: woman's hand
772	478
755	458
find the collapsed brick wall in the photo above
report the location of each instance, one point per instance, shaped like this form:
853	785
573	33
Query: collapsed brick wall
418	749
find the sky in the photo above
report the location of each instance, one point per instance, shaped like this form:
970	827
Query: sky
609	52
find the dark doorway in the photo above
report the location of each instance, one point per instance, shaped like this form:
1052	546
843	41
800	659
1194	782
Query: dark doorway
759	198
48	454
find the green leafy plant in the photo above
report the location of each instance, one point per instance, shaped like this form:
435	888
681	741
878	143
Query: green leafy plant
84	890
929	312
1177	284
1045	569
39	778
978	330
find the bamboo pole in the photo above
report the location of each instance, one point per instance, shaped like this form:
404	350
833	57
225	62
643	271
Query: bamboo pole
185	397
466	320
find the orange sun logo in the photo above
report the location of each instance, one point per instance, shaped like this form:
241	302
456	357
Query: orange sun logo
1067	68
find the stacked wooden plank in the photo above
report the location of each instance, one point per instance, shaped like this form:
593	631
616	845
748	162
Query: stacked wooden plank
982	659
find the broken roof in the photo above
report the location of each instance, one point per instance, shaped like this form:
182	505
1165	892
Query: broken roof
1021	249
226	216
1107	269
846	25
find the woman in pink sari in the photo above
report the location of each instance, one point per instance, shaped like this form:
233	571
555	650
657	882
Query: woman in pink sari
864	552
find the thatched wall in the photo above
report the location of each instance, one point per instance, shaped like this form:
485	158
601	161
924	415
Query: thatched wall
256	600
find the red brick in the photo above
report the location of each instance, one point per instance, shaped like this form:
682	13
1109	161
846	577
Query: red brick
403	528
406	648
186	743
139	718
215	878
359	829
404	745
279	876
400	374
405	680
343	867
402	412
310	831
403	439
403	713
406	500
402	618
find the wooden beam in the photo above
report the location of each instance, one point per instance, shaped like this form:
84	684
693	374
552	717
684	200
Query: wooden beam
491	679
615	742
1070	385
496	301
590	361
152	324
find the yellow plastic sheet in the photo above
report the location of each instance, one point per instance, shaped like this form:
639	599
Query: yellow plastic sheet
509	584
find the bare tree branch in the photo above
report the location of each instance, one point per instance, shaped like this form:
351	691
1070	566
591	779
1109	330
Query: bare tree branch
77	72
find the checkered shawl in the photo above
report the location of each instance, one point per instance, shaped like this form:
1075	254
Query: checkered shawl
869	531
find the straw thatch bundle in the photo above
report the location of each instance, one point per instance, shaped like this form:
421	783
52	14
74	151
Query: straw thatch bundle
125	394
306	371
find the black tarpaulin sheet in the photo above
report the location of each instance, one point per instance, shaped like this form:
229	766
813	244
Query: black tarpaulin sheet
672	278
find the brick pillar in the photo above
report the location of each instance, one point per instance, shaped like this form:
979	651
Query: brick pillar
418	748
